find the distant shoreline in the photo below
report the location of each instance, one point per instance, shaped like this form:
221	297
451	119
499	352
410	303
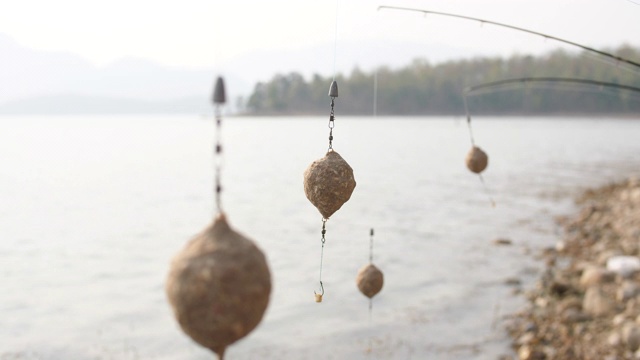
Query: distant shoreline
577	116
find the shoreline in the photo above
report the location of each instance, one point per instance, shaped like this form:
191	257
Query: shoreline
586	303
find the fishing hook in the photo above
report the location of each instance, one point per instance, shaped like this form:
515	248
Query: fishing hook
319	296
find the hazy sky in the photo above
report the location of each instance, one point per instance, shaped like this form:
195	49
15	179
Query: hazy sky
212	33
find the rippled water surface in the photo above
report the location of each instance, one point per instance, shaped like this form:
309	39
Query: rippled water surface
92	209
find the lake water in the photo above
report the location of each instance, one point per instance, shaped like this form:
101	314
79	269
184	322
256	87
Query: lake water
93	209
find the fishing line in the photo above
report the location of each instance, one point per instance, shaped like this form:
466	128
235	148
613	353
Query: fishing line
487	191
335	41
219	98
375	75
370	281
329	181
371	263
371	298
375	93
468	116
318	296
618	59
494	86
473	148
322	240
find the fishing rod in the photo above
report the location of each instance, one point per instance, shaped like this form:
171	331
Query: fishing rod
546	36
525	80
476	158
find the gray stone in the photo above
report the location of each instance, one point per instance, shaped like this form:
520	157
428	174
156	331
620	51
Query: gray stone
627	290
631	336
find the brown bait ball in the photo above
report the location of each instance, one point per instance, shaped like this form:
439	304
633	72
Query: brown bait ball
328	183
477	160
370	280
219	286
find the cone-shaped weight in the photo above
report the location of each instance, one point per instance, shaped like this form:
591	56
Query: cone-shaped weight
333	89
219	93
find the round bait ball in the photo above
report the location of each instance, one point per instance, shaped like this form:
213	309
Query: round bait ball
219	286
328	183
370	280
477	160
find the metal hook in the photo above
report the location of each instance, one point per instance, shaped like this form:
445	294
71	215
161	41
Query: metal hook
319	296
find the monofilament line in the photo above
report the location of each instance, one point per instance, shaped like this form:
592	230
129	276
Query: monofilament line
375	93
468	116
219	98
466	112
487	191
335	41
322	241
371	233
217	160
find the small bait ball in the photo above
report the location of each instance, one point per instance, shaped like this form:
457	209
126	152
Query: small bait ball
477	160
328	183
369	280
219	286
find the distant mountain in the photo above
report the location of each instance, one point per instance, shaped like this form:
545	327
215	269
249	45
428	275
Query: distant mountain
34	81
79	104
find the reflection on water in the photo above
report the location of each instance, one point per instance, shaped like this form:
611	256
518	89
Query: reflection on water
93	209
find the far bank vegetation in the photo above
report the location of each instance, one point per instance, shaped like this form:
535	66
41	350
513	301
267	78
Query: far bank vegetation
421	88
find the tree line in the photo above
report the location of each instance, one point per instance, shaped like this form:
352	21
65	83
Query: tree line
422	88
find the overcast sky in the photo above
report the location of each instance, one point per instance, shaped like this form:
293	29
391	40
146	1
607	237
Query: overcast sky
218	34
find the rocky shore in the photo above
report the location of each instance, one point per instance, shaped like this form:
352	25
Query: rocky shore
586	305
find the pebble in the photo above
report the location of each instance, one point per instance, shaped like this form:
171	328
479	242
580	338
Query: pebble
502	241
627	291
614	339
596	302
596	276
512	282
525	339
631	336
625	266
619	319
586	304
606	255
573	315
526	353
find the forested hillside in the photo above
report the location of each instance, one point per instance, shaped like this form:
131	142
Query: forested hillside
421	88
